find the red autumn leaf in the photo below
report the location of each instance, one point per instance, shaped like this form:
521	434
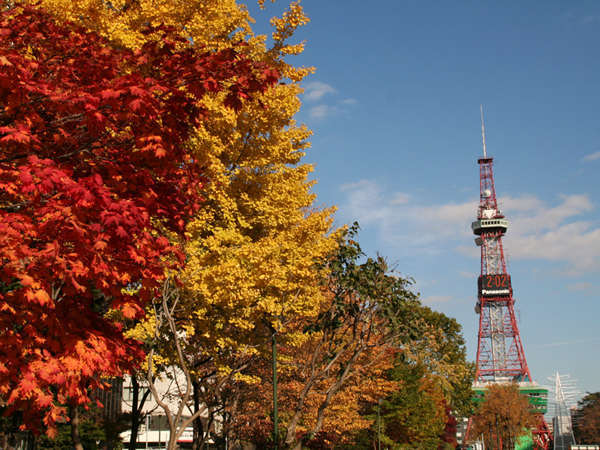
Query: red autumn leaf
135	105
110	94
130	311
83	212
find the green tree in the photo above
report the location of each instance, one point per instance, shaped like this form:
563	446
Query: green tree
435	382
586	420
415	414
441	349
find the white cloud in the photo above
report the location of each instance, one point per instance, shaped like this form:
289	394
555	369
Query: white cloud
451	213
529	214
401	222
523	203
321	111
537	231
555	233
592	156
315	90
400	198
576	243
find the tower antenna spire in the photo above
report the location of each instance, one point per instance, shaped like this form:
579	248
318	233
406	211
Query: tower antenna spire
483	131
500	354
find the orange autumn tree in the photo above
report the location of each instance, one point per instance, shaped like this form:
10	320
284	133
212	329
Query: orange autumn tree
94	174
344	417
334	415
503	417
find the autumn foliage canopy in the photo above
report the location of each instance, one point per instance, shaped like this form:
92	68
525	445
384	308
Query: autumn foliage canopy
94	175
157	218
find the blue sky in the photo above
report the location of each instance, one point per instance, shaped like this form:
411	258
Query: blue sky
394	106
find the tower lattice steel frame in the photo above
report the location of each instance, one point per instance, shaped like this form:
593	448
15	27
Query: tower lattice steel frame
500	354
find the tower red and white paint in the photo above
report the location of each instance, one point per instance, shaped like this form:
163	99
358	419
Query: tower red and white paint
500	354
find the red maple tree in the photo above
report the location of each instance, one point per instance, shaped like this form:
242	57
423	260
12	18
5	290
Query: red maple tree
94	171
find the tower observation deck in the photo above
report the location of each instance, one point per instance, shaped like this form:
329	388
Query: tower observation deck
500	354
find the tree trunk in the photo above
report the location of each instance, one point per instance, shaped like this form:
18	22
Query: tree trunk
5	441
74	416
135	412
198	429
137	406
172	444
9	439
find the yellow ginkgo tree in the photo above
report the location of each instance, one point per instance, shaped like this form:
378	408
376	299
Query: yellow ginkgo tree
254	249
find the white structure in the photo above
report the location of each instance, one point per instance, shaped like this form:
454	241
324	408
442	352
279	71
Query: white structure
565	395
154	431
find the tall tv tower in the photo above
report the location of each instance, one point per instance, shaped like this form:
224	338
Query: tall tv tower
500	355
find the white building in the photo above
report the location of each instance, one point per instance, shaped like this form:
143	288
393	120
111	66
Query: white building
153	432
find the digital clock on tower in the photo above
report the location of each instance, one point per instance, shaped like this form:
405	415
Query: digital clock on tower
494	285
